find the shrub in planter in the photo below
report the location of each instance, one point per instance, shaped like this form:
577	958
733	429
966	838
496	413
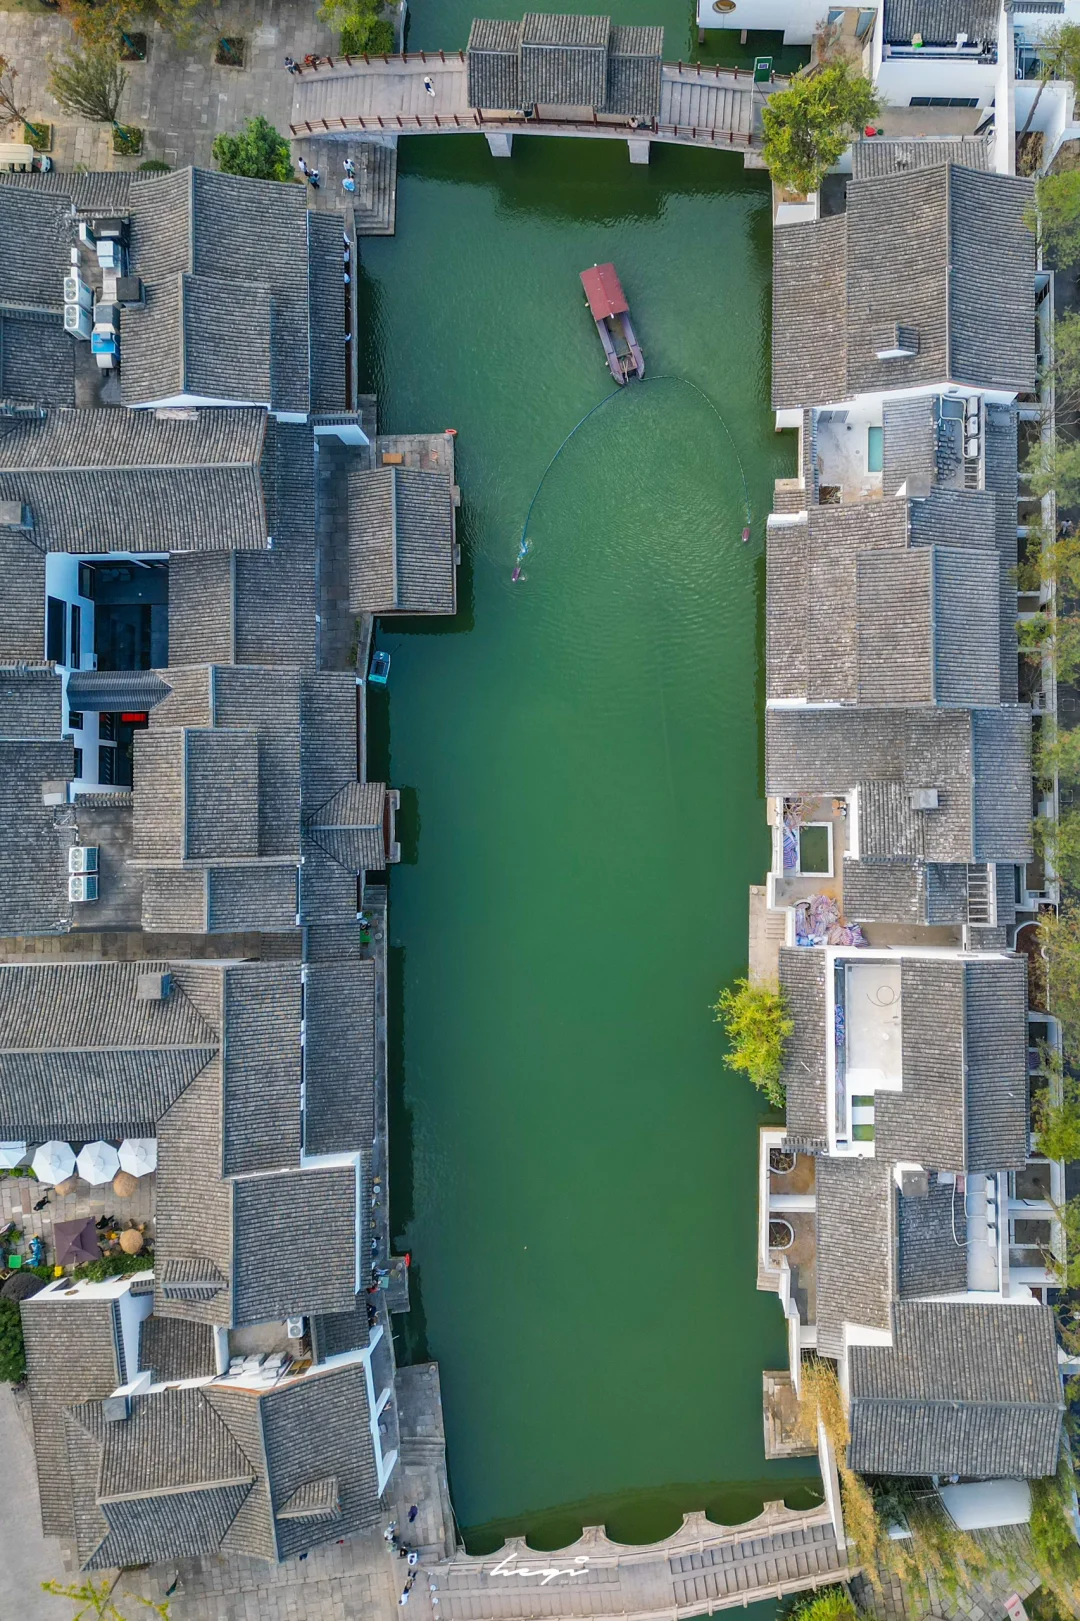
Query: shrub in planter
155	166
127	140
39	136
230	51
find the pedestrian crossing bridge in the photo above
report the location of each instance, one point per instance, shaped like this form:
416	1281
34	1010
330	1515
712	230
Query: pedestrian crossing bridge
426	93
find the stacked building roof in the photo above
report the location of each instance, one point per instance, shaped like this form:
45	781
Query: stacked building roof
898	765
195	536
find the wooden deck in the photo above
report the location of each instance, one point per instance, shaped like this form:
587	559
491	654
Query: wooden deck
385	96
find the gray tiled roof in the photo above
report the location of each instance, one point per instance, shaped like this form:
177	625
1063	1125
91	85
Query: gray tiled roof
277	1216
82	1056
878	891
939	21
943	252
33	896
877	156
22	601
116	480
965	1389
35	248
802	980
564	60
37	359
339	1056
241	898
240	329
963	1103
811	611
202	588
175	1349
342	1331
327	312
1000	475
927	626
932	1234
72	1355
908	442
349	827
977	759
314	1500
401	541
635	58
493	65
276	606
301	1434
261	1124
856	1245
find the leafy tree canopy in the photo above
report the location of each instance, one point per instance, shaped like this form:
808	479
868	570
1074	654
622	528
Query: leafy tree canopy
809	126
757	1025
1056	216
88	82
257	151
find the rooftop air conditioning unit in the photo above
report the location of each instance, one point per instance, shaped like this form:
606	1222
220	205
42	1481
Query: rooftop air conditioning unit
76	291
294	1327
77	320
83	886
108	254
83	858
924	799
106	316
86	235
15	515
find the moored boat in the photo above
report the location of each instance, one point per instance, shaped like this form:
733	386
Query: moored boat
609	309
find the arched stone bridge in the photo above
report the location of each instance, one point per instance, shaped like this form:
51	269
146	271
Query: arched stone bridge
701	1568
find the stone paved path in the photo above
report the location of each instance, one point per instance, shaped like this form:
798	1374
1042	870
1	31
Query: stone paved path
178	96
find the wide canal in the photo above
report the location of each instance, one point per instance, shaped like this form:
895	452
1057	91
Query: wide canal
579	753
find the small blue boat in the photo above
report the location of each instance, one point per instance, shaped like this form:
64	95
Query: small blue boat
379	673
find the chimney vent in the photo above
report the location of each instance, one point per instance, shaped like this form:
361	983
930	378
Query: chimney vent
153	987
116	1408
924	799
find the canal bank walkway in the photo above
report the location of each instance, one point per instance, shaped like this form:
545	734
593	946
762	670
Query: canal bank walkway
388	96
701	1568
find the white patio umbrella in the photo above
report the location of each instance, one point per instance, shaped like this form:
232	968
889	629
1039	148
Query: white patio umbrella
98	1162
53	1162
138	1155
11	1154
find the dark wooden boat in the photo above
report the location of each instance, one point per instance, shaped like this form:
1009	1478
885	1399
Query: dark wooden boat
609	309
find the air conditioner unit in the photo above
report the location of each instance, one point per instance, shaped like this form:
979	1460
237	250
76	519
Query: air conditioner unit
102	342
76	320
108	254
107	316
76	291
83	886
83	858
294	1327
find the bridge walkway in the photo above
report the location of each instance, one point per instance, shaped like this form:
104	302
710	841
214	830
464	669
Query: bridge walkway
701	1568
699	106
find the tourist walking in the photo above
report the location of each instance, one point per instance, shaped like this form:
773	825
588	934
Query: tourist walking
301	164
313	179
413	1512
428	84
291	66
350	168
349	185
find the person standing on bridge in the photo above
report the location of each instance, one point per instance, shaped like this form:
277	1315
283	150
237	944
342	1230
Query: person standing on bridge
429	84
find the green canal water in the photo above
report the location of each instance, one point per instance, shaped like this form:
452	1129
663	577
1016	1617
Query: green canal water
580	761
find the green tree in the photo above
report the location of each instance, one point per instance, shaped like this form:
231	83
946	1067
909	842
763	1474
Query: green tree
1065	370
96	1600
810	126
12	1350
89	82
1059	937
827	1604
757	1025
1059	58
1057	751
257	151
361	25
1056	216
1055	465
1057	1125
1061	843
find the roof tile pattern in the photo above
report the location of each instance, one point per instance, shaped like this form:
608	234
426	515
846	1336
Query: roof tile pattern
965	1389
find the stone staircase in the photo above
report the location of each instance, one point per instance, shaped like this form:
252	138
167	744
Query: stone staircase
378	215
374	202
704	102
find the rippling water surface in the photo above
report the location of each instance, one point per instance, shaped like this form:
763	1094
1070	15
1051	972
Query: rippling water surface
580	760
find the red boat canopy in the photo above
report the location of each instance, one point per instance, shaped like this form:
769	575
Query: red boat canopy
604	292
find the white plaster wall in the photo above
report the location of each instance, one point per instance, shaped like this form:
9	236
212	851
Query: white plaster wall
901	77
797	19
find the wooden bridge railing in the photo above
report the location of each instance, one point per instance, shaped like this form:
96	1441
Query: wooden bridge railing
404	122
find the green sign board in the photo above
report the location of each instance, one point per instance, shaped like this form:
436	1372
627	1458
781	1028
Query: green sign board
762	69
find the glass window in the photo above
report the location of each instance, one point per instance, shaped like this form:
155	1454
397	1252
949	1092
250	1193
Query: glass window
55	627
875	438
